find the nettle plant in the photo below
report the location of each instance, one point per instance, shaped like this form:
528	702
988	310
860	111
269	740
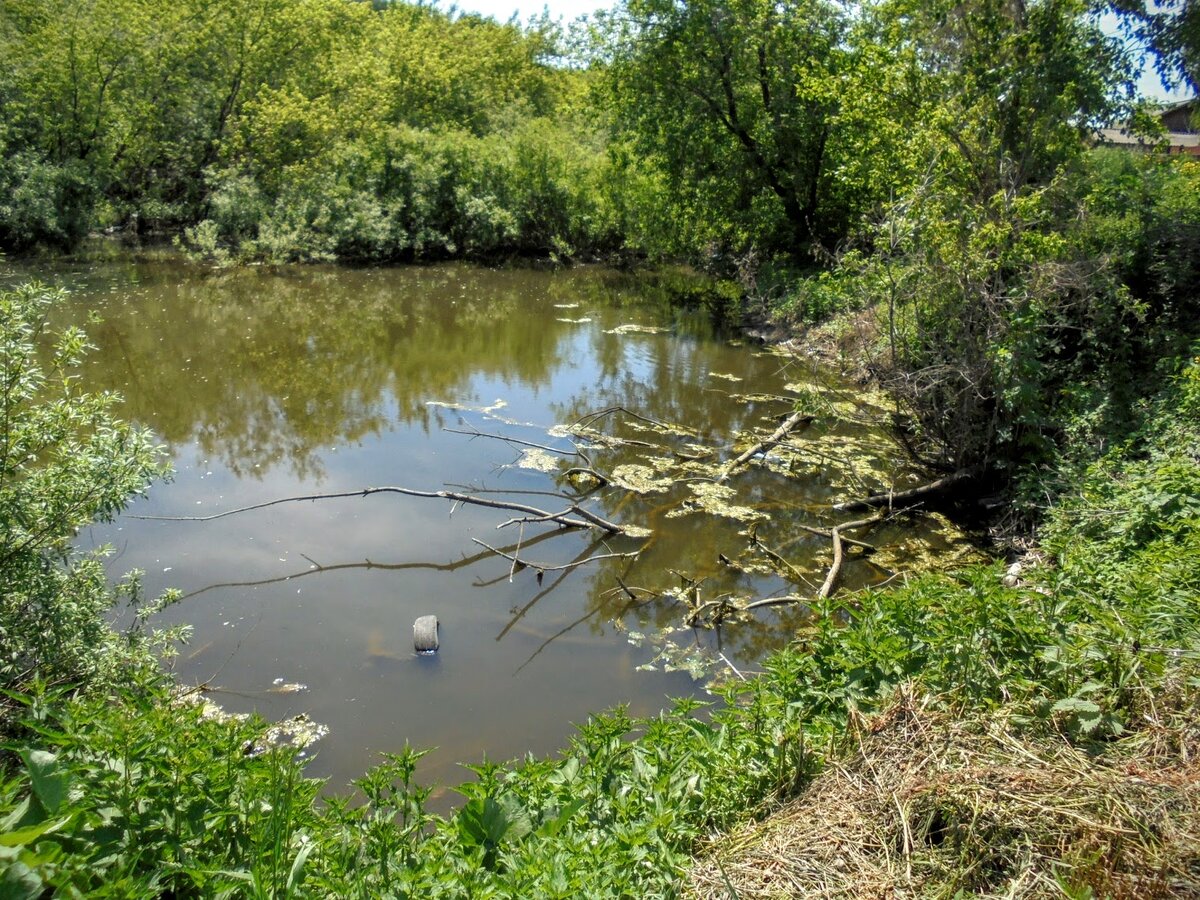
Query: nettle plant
65	461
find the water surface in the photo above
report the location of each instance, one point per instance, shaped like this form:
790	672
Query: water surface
268	383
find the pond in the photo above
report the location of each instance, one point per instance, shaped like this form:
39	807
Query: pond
272	383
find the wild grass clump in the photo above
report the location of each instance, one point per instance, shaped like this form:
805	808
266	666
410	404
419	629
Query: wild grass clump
924	801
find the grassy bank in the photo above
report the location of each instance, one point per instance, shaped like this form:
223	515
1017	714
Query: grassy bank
125	789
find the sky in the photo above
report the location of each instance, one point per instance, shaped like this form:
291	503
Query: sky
569	10
502	10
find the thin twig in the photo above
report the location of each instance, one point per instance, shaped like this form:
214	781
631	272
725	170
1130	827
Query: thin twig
588	418
732	666
565	566
475	432
770	554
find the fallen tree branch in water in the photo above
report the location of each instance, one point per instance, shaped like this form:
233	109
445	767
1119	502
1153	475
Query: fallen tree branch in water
775	601
791	422
826	533
782	565
586	420
586	470
475	432
523	564
318	569
586	519
911	497
835	570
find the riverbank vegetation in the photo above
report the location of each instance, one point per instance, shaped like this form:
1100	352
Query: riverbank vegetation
922	171
131	788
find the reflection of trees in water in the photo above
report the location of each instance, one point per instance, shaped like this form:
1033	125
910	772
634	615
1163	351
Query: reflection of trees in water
671	380
260	367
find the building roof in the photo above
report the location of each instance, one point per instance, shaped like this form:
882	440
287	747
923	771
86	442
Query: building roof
1176	141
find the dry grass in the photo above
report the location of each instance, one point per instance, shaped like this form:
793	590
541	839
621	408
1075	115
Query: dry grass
927	806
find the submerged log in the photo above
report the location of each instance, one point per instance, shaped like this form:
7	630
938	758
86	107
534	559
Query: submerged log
912	496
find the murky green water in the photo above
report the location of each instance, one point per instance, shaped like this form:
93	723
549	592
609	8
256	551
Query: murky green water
272	383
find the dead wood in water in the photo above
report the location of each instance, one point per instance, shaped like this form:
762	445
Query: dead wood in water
585	470
835	570
826	533
791	422
782	566
541	567
475	432
589	419
912	496
585	518
317	568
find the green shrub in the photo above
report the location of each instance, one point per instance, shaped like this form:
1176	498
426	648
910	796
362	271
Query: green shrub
65	461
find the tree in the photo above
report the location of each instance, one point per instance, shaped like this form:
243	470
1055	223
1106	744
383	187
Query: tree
987	293
738	100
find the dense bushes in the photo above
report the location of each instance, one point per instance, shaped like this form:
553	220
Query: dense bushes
425	193
298	131
1004	326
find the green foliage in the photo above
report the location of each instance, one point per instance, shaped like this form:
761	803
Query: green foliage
422	193
753	112
296	131
1023	284
1170	29
143	795
65	461
1009	322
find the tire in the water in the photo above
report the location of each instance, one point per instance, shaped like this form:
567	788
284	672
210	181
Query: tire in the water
425	634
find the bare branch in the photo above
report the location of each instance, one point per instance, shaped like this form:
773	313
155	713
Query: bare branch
544	568
585	518
475	432
835	570
588	418
795	419
913	496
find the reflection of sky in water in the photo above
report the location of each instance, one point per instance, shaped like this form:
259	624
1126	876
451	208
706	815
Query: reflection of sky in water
270	384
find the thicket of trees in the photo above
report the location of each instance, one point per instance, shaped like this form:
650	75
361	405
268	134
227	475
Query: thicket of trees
340	128
293	130
934	156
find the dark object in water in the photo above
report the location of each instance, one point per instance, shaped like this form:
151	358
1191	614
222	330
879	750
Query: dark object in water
425	634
